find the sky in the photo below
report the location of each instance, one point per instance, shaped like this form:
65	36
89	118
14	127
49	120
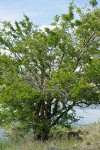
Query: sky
40	12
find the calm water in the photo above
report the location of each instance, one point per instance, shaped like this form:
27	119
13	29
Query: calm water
1	133
90	115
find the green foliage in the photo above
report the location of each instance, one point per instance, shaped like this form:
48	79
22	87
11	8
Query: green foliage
93	3
44	74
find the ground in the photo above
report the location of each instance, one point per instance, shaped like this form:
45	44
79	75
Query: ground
90	135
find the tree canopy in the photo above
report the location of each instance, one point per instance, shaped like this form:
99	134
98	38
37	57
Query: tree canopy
44	74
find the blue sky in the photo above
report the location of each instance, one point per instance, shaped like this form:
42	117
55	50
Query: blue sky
41	12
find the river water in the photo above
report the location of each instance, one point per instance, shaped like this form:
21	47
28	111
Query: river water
1	133
90	115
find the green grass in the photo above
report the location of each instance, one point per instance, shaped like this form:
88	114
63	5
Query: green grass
91	141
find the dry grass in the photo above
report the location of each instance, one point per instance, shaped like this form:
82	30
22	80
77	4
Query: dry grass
91	141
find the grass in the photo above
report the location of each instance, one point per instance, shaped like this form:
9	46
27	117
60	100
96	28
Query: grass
91	141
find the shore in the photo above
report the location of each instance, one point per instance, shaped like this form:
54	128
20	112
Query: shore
90	140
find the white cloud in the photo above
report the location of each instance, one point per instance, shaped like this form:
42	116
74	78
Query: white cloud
46	26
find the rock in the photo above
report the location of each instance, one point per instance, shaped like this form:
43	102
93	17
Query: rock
73	134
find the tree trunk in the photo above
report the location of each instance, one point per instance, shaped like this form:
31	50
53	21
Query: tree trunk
42	129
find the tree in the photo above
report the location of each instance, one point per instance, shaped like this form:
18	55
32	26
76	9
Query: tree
45	74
